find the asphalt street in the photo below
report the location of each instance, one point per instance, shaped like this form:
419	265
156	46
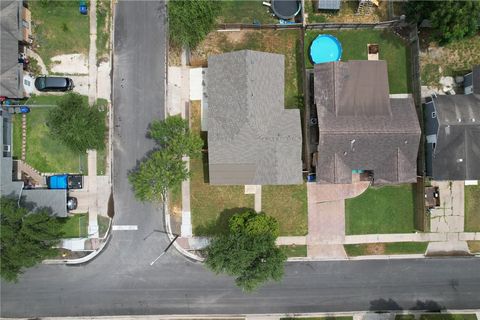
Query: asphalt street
120	281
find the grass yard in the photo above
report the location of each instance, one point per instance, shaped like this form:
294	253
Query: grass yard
45	153
245	11
321	318
288	204
446	316
103	28
295	250
388	209
472	208
354	44
284	42
59	28
474	246
75	226
364	249
211	206
17	136
456	58
404	317
103	223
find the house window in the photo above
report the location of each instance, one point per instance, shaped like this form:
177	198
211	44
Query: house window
434	115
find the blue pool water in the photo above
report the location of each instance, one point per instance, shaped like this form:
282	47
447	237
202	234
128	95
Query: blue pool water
325	48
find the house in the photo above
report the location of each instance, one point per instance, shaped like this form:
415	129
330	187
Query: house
54	201
361	128
15	24
471	82
452	130
328	4
252	139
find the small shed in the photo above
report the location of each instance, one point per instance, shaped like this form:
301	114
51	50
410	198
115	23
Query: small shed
328	4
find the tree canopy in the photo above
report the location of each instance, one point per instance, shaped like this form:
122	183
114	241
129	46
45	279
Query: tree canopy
26	239
190	21
454	20
164	168
247	250
77	125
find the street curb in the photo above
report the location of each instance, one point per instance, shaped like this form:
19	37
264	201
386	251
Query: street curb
87	258
376	257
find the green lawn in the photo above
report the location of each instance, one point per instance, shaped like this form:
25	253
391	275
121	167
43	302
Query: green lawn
404	317
75	226
354	44
354	250
288	204
472	211
320	318
59	28
446	316
17	136
45	153
295	250
103	223
103	28
388	209
245	11
285	42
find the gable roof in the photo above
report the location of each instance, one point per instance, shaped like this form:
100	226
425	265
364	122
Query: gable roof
360	127
457	151
11	72
252	139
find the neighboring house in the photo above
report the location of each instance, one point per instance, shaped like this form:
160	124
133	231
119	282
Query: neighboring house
362	130
328	4
15	23
252	139
471	82
452	130
55	201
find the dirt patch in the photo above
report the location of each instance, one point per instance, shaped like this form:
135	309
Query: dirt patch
375	249
236	37
76	63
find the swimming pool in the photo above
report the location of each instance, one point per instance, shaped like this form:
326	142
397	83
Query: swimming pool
325	48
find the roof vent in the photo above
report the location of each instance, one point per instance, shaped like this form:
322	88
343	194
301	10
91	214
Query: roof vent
459	160
406	141
459	119
473	119
345	153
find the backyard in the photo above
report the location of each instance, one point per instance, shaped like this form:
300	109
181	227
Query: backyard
241	11
347	13
456	58
472	211
211	206
354	44
284	42
58	28
388	209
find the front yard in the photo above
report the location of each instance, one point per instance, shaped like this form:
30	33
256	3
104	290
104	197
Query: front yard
59	28
354	44
472	208
354	250
388	209
211	206
75	226
286	42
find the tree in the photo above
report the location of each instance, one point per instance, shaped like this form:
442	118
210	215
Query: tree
174	134
26	238
165	169
247	250
77	125
454	20
190	21
158	173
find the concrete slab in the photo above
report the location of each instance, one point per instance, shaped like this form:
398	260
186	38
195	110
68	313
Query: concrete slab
76	63
104	83
449	217
326	222
334	192
447	248
250	189
326	251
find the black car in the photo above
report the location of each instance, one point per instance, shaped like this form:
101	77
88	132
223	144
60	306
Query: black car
72	203
45	83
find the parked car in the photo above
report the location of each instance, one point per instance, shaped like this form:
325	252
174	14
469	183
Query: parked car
72	203
45	83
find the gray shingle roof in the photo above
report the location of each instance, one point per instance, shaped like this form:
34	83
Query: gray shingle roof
252	139
457	152
11	73
329	4
360	127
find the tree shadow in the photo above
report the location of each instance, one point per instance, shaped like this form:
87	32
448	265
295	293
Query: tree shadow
220	225
384	305
428	305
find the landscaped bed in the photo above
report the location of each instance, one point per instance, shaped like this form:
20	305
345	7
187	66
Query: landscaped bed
284	42
388	209
59	28
472	211
364	249
354	43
